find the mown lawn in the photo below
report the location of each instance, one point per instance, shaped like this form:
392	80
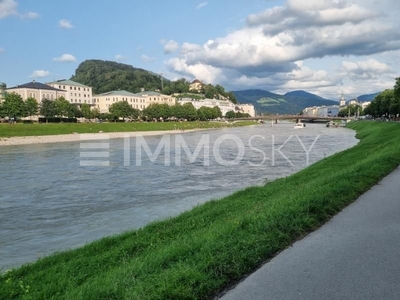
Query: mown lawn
201	252
11	130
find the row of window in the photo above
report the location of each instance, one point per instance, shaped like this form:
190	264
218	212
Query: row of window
78	95
74	88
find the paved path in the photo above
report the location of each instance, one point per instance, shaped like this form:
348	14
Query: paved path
356	255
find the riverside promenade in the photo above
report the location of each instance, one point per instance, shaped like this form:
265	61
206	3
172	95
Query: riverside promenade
356	255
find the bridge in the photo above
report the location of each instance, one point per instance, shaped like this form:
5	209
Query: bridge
298	118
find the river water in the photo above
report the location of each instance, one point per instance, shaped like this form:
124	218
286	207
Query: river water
51	200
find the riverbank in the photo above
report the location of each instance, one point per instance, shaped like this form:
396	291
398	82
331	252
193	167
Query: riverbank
26	134
203	251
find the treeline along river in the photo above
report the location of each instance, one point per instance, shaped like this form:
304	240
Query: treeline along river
50	200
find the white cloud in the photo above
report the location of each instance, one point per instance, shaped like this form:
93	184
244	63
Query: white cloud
10	8
30	15
368	69
1	50
119	57
201	5
65	58
65	24
40	74
169	46
147	59
274	49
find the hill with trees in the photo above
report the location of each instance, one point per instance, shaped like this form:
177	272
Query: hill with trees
105	76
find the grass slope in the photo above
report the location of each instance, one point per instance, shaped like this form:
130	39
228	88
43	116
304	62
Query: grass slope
7	130
203	251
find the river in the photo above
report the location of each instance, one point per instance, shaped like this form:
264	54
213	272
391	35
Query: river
50	200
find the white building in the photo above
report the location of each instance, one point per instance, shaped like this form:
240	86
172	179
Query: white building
37	90
139	100
322	111
104	101
224	105
76	93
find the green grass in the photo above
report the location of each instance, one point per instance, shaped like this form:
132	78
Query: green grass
201	252
8	130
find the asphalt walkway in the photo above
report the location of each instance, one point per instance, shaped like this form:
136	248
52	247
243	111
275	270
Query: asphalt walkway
356	255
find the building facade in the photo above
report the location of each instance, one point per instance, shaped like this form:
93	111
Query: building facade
76	93
104	101
224	105
322	111
38	91
139	100
196	85
247	109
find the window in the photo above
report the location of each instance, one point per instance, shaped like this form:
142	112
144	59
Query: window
75	94
72	94
70	87
75	88
51	96
63	87
79	89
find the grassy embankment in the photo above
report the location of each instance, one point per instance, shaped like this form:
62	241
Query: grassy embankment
201	252
8	130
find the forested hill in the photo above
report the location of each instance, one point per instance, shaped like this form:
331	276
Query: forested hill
105	76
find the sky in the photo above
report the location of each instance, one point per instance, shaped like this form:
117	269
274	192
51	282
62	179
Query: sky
326	47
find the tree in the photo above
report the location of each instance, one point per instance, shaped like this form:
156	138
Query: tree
85	109
47	109
189	111
230	114
31	106
14	106
121	109
63	107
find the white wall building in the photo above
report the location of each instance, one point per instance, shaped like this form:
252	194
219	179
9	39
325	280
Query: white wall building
224	105
76	93
139	100
37	90
322	111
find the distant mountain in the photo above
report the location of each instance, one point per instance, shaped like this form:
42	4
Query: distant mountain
105	76
366	98
290	103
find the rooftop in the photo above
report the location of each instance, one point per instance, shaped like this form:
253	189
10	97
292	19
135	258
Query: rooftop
118	93
35	85
68	82
149	93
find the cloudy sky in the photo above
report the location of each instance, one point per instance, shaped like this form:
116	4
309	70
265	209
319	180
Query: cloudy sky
327	47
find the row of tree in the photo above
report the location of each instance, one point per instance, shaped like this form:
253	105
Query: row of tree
15	107
386	103
157	111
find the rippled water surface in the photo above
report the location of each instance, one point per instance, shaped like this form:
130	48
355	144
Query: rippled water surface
48	202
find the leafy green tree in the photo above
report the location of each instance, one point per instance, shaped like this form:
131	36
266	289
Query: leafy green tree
351	110
231	97
32	106
48	109
63	107
14	106
95	112
189	112
218	112
85	109
122	109
230	114
158	111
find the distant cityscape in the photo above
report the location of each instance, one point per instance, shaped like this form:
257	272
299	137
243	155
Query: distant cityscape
79	94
